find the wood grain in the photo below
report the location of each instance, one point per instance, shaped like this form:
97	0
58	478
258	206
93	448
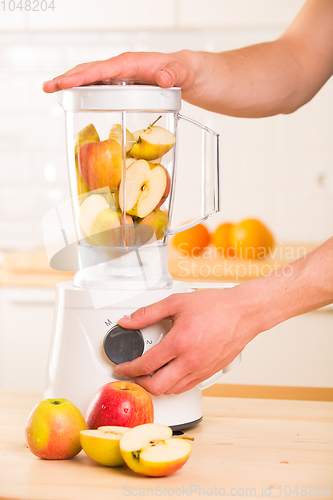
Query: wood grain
241	443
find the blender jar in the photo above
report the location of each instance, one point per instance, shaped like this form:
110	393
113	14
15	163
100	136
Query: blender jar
122	149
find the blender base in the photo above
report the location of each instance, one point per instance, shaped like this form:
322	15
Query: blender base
78	365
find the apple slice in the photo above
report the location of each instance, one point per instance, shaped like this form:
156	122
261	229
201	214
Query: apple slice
102	444
87	135
116	134
150	449
90	208
109	231
146	186
152	143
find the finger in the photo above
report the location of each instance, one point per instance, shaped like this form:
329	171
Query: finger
189	386
149	315
164	378
149	362
95	72
126	65
173	74
52	85
190	379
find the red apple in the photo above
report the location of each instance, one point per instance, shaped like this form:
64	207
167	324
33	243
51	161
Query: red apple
120	403
167	188
100	164
157	220
53	429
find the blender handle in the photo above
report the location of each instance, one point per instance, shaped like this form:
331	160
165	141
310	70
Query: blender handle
215	378
216	184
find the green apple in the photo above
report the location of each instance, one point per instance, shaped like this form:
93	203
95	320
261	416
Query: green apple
89	210
151	450
157	220
102	444
53	429
147	186
152	143
109	230
100	164
116	134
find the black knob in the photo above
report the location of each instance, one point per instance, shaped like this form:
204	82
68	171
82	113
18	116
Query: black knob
122	344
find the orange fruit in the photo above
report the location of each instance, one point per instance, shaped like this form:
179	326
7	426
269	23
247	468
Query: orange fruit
192	241
251	239
222	241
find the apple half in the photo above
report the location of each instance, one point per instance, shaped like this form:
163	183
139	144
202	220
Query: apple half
100	164
90	208
150	449
147	187
152	143
102	444
109	229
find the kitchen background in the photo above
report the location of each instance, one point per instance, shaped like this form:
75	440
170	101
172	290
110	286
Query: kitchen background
279	169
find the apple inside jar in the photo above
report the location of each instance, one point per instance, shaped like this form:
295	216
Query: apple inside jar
147	186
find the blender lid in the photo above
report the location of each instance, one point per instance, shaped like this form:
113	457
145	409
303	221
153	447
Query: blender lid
120	97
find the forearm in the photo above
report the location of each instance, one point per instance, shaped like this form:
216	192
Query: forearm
300	287
252	82
269	78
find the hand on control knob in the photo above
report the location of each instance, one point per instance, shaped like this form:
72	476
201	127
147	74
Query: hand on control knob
208	332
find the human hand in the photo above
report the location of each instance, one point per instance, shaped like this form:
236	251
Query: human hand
210	328
152	68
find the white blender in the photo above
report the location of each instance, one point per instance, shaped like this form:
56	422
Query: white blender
121	146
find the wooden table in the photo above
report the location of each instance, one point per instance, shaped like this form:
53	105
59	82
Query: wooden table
243	448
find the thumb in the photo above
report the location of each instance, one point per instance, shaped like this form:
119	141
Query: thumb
174	74
149	315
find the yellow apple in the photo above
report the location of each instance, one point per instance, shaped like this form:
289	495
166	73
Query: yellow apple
102	444
152	143
53	429
150	449
116	134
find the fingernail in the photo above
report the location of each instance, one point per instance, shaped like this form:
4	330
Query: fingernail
166	76
47	81
126	319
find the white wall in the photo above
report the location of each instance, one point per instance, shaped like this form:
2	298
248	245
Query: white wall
278	169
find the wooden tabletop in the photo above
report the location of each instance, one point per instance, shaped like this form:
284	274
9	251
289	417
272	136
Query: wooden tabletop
243	448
